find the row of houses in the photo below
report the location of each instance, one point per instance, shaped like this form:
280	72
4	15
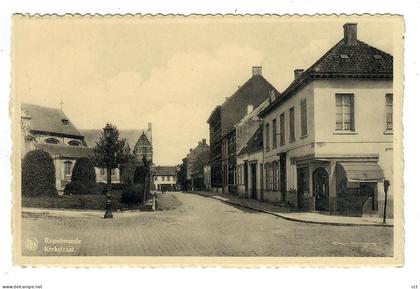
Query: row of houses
191	171
49	129
323	144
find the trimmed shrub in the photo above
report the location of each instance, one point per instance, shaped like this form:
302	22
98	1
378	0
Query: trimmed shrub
84	172
78	188
38	174
83	178
132	195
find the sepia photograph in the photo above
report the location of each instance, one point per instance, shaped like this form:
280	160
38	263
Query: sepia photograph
151	140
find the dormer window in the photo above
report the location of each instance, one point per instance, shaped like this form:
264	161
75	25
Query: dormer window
344	56
51	141
65	121
74	143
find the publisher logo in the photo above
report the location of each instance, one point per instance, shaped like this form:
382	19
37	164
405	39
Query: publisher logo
31	244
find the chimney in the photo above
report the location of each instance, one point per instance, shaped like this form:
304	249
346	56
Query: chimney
350	33
203	141
256	70
149	126
200	144
298	72
250	108
191	150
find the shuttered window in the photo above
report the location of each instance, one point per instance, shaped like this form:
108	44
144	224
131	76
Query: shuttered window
303	118
292	124
274	136
267	137
344	105
282	135
389	105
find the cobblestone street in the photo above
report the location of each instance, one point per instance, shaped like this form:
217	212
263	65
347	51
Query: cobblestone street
201	227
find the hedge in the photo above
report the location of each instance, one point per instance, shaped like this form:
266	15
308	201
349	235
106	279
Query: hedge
132	195
38	174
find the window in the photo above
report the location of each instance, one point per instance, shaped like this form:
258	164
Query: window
303	118
155	179
168	178
67	168
274	133
267	137
292	124
65	121
275	176
74	143
389	105
113	172
282	134
102	171
52	141
344	112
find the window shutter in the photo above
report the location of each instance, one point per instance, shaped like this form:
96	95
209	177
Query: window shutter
352	113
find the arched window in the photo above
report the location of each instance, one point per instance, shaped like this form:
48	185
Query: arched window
52	141
74	143
68	167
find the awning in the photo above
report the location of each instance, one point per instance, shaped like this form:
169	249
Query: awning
362	172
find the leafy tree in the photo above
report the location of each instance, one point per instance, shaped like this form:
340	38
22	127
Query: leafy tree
38	174
113	154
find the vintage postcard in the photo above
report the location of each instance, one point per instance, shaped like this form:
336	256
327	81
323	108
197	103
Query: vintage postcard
248	141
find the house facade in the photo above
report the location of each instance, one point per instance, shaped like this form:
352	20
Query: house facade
223	132
195	162
164	178
328	141
249	161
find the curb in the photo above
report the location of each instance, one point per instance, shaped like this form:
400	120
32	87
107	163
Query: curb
285	217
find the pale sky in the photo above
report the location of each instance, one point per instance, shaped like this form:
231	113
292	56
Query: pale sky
171	72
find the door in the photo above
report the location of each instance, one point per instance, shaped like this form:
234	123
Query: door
302	185
246	176
254	181
321	189
261	182
283	177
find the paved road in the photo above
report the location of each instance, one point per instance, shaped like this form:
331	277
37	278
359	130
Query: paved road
200	227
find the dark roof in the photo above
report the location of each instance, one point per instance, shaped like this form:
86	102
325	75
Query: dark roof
255	143
47	119
66	151
359	60
92	136
256	90
164	171
212	114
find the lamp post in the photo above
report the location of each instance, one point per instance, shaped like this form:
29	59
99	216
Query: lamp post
108	134
386	186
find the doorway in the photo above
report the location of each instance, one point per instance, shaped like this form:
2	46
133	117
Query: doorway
321	189
283	177
246	176
253	181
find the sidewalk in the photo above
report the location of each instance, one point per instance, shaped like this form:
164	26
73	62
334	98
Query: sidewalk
47	212
304	217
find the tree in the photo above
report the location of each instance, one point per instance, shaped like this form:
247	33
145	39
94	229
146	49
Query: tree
128	167
38	174
114	154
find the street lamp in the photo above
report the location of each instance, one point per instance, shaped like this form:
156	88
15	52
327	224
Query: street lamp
108	134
